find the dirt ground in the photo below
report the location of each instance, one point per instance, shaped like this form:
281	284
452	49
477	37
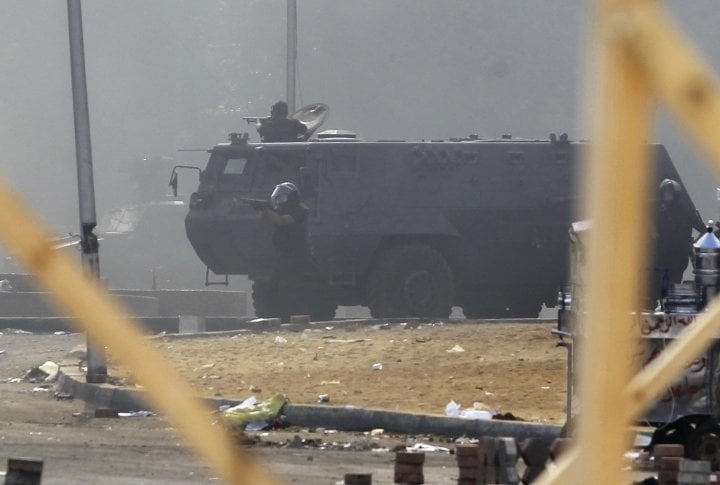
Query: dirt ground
504	367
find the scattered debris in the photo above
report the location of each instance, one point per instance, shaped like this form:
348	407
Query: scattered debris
2	352
453	409
35	375
323	398
455	349
51	369
244	414
43	388
63	396
280	340
377	366
60	333
136	414
425	447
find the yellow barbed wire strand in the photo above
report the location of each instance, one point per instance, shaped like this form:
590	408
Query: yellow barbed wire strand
108	324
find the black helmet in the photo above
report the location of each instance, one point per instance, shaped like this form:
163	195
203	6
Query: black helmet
284	193
279	110
669	190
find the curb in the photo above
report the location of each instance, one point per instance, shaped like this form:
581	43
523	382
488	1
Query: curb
328	417
215	325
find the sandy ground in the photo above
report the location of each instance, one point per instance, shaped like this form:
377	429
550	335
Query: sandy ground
505	367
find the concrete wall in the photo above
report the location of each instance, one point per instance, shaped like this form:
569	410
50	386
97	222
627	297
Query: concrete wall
37	304
204	303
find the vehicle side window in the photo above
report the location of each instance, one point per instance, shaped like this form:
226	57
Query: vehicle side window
235	166
236	172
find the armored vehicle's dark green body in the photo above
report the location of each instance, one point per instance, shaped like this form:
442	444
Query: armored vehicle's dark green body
411	228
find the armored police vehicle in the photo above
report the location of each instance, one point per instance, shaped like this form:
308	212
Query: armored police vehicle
415	228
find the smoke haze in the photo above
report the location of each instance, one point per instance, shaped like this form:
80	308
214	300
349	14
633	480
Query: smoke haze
169	74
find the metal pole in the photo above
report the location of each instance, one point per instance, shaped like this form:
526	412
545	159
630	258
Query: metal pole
291	53
97	368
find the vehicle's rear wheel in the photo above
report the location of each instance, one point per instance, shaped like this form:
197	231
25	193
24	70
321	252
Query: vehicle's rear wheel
409	281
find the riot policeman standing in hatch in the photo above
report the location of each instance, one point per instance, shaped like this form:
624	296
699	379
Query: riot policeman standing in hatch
278	127
294	285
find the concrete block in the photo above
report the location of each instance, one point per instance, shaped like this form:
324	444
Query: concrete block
409	458
508	475
692	478
358	479
507	452
668	450
558	447
488	449
25	471
531	473
671	463
106	413
467	472
534	452
697	466
195	302
191	324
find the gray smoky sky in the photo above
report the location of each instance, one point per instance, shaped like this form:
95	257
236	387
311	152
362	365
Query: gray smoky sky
169	74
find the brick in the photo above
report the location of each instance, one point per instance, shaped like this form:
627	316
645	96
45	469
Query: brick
467	450
410	457
534	452
25	471
409	478
467	472
667	475
669	450
671	463
106	413
358	479
408	468
490	474
488	449
465	461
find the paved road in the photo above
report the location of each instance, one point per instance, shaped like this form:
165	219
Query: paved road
79	449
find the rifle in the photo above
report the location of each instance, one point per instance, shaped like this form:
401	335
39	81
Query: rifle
257	204
254	119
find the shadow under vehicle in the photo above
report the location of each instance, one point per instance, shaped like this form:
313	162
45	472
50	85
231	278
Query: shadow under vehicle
414	228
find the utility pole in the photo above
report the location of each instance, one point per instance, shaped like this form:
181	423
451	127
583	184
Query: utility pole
97	367
291	54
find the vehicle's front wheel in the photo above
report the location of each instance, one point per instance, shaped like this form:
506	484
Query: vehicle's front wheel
412	280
